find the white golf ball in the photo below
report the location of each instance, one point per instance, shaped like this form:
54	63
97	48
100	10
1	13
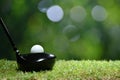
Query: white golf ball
55	13
37	49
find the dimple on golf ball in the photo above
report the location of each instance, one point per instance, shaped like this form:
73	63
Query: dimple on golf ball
37	49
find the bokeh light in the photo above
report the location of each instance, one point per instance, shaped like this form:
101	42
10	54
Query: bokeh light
55	13
43	5
99	13
77	13
71	32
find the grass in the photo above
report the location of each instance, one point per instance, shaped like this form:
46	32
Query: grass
65	70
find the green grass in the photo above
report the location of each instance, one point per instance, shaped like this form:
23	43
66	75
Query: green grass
65	70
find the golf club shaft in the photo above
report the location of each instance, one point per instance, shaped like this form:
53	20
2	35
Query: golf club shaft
8	35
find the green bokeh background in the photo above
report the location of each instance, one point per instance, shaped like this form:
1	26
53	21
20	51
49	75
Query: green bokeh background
28	26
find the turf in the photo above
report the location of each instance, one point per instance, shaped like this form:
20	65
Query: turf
65	70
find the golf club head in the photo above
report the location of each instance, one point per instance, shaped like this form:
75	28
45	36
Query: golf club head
35	62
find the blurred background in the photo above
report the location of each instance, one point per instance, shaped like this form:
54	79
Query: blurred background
87	29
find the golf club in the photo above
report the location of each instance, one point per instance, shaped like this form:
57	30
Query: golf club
30	62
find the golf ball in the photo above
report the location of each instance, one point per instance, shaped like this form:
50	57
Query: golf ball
37	49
